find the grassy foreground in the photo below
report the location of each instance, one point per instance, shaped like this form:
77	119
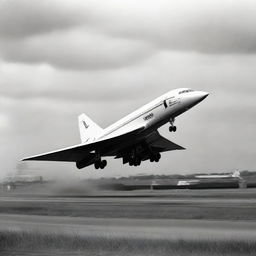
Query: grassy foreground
27	243
147	211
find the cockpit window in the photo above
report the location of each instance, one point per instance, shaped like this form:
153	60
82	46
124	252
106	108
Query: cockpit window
185	91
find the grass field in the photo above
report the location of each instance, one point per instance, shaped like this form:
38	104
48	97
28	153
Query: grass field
25	243
235	204
224	205
163	211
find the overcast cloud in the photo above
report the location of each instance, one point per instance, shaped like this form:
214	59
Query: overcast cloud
60	58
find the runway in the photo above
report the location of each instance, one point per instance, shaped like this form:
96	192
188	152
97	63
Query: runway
187	205
131	228
130	200
225	214
139	222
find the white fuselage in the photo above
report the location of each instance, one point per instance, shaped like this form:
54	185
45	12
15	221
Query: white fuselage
157	112
134	138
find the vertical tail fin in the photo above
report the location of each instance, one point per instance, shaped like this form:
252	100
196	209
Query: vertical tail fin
89	131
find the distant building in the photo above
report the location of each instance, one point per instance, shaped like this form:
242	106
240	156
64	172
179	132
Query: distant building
187	182
235	174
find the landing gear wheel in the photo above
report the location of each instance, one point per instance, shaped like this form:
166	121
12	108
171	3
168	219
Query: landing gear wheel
172	128
100	164
158	156
131	163
155	158
97	165
137	162
103	164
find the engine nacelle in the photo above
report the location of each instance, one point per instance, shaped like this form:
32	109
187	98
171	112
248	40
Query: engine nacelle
86	161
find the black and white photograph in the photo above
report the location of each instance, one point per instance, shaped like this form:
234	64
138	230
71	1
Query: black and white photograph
128	127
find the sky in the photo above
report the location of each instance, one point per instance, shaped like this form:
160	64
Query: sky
61	58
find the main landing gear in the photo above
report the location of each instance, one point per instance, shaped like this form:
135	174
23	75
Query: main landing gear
135	162
172	128
134	159
155	157
100	164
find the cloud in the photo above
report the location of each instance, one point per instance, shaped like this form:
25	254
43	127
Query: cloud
28	82
213	27
96	35
24	18
77	49
4	121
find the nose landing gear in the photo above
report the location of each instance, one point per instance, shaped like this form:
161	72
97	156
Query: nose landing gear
172	128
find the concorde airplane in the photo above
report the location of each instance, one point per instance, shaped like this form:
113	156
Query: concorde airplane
134	138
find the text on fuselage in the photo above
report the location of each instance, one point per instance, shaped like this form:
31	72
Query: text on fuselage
149	116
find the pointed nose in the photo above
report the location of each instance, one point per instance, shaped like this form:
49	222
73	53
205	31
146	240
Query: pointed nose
201	96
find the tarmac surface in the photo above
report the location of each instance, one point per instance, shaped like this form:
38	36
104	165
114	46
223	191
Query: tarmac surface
150	226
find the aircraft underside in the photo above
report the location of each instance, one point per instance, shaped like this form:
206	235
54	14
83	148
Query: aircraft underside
148	147
132	156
